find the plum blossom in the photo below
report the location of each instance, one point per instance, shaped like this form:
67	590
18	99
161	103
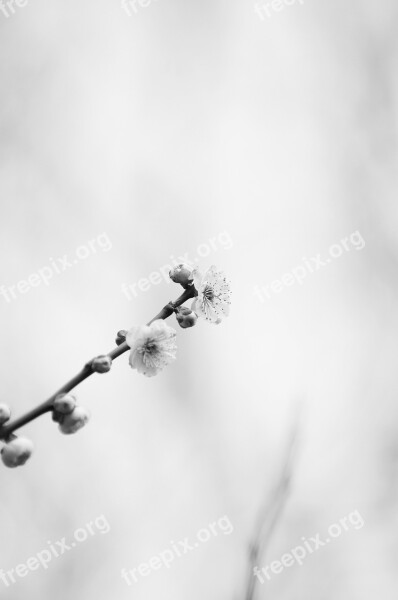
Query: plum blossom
152	347
214	295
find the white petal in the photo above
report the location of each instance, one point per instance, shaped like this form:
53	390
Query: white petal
136	360
197	279
137	335
160	328
226	308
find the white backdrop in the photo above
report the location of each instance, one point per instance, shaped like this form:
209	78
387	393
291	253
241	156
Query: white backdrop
186	122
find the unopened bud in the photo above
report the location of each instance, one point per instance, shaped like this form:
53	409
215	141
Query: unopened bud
5	413
181	274
121	337
64	403
57	416
16	452
186	317
101	364
75	420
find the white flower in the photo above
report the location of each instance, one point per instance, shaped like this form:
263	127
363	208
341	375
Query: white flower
152	347
214	295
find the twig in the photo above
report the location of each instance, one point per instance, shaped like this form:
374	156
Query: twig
47	406
270	513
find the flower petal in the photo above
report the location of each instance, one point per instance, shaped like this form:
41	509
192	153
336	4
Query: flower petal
137	335
152	347
197	279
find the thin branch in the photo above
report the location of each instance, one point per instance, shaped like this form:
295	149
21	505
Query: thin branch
270	513
7	429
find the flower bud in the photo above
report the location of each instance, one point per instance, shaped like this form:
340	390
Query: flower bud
186	317
16	452
181	274
5	413
75	420
121	337
64	403
101	364
57	416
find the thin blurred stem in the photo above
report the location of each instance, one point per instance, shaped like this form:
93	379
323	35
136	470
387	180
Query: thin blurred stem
270	513
47	406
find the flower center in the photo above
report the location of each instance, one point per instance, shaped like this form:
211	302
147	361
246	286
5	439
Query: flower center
208	293
150	347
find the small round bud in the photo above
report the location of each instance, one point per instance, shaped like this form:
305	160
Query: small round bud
183	310
16	452
121	337
75	420
181	274
186	317
64	403
57	416
101	364
5	413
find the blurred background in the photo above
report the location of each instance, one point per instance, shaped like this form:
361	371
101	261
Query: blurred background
248	136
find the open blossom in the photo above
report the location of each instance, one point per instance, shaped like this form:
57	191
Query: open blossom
152	347
214	295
